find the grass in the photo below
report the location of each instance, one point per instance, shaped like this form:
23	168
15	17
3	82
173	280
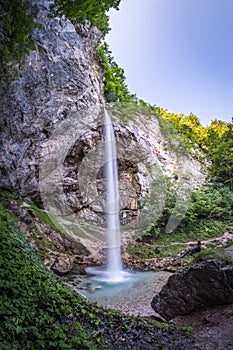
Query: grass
204	230
48	219
213	253
151	251
168	245
127	111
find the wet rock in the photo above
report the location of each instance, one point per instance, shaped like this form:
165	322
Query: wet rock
198	286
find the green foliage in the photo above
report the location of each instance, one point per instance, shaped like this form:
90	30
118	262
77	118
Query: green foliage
127	111
144	251
211	203
215	141
115	88
209	214
220	151
151	233
49	219
37	312
81	11
189	127
164	198
206	254
15	34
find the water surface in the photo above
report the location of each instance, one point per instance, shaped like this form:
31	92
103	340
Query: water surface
132	296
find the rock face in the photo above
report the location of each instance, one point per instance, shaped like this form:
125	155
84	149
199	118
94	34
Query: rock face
59	76
199	286
51	138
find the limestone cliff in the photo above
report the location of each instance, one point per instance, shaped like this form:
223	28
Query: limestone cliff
51	125
60	75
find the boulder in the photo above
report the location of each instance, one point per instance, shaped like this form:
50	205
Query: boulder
205	284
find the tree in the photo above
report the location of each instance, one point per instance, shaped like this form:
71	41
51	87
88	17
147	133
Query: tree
81	11
220	141
114	78
16	28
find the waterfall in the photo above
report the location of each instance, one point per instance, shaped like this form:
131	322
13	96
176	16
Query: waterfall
114	261
113	273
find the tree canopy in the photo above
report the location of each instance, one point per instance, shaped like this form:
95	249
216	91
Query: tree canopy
215	140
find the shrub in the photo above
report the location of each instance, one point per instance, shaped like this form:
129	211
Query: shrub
37	311
81	11
16	28
206	254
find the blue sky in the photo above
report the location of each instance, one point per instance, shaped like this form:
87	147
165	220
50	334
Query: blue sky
177	54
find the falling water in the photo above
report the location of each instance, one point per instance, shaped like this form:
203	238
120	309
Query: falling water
114	261
113	272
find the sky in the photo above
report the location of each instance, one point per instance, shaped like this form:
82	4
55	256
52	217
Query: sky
177	54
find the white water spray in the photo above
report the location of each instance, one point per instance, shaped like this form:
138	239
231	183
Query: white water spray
114	262
113	272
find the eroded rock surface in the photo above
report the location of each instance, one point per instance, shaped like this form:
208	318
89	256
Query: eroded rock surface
61	75
201	285
52	111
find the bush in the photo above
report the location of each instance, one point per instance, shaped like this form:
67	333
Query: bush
81	11
115	89
16	28
207	254
208	215
37	311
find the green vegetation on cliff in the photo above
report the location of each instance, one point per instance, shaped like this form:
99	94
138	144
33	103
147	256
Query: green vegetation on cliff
115	88
215	141
17	23
219	143
81	11
16	28
37	311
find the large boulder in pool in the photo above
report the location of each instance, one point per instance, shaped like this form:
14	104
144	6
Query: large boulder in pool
205	284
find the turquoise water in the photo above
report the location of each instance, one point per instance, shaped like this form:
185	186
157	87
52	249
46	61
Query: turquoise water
132	296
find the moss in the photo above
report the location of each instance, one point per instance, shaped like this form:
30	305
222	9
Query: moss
46	218
127	111
4	194
154	251
210	253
